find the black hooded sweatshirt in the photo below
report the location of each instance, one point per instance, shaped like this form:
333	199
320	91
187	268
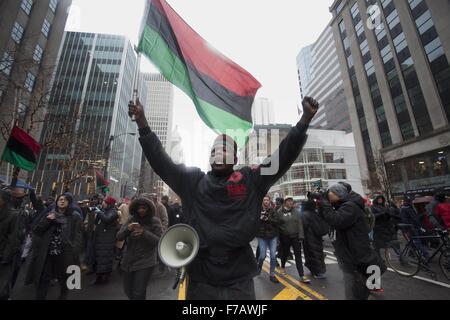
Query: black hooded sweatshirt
225	211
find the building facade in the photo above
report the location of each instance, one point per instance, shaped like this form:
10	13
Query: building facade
263	112
159	113
394	60
328	157
30	37
88	128
320	77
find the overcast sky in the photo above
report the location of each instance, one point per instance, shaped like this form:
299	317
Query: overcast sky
262	36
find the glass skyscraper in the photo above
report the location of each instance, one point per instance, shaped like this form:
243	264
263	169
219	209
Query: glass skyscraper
88	127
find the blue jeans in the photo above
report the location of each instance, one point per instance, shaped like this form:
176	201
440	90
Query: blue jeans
263	244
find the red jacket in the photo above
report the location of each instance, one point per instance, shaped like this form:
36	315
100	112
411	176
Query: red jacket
443	211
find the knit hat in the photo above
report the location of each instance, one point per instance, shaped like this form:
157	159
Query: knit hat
110	201
340	190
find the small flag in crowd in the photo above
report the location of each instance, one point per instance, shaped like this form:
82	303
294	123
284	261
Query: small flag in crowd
101	183
222	91
22	150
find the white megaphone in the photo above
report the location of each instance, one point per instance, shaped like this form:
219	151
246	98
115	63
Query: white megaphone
178	247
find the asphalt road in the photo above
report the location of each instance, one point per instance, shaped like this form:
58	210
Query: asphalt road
395	286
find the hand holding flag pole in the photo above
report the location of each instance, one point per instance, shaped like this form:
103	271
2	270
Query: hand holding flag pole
136	81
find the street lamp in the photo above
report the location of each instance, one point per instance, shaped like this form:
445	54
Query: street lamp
108	149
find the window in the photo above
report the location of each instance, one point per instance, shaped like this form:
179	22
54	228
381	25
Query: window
313	155
46	28
336	174
315	172
17	32
26	6
334	157
29	81
38	52
53	5
6	63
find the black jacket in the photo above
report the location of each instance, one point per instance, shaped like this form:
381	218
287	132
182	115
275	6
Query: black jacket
141	251
384	228
225	211
269	224
313	244
352	232
105	240
42	234
9	244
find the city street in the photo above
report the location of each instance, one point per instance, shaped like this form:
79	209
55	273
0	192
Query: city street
160	288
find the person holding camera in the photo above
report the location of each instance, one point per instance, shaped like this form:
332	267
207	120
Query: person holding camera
291	235
344	210
57	241
268	237
223	205
142	233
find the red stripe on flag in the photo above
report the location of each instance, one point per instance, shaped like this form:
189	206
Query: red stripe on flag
205	58
26	139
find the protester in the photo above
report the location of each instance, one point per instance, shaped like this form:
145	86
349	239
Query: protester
383	231
223	206
314	228
443	211
89	229
161	211
268	237
344	211
124	216
291	235
409	216
57	241
169	210
142	232
105	240
9	246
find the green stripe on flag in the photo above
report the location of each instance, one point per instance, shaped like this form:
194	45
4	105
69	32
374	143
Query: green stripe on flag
18	161
175	71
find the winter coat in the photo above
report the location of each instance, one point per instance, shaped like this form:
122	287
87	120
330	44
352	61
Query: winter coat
161	213
9	245
105	239
313	244
383	230
409	215
223	209
42	235
290	224
268	228
443	212
352	245
141	251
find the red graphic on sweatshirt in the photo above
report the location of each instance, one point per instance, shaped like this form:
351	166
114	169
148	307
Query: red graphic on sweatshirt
235	177
237	192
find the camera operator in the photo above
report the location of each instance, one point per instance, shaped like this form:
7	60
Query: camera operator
344	210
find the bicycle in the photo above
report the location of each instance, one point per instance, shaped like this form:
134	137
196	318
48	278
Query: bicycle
407	258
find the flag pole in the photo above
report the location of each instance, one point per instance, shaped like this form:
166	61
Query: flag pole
136	79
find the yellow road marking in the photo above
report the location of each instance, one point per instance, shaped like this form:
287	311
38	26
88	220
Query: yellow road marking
286	294
303	286
182	291
293	291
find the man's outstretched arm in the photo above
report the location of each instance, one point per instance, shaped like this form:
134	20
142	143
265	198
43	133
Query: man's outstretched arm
176	176
289	149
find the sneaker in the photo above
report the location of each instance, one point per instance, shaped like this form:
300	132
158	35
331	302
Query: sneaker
305	279
319	276
274	279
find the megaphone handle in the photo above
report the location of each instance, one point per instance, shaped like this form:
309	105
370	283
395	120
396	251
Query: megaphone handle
181	275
